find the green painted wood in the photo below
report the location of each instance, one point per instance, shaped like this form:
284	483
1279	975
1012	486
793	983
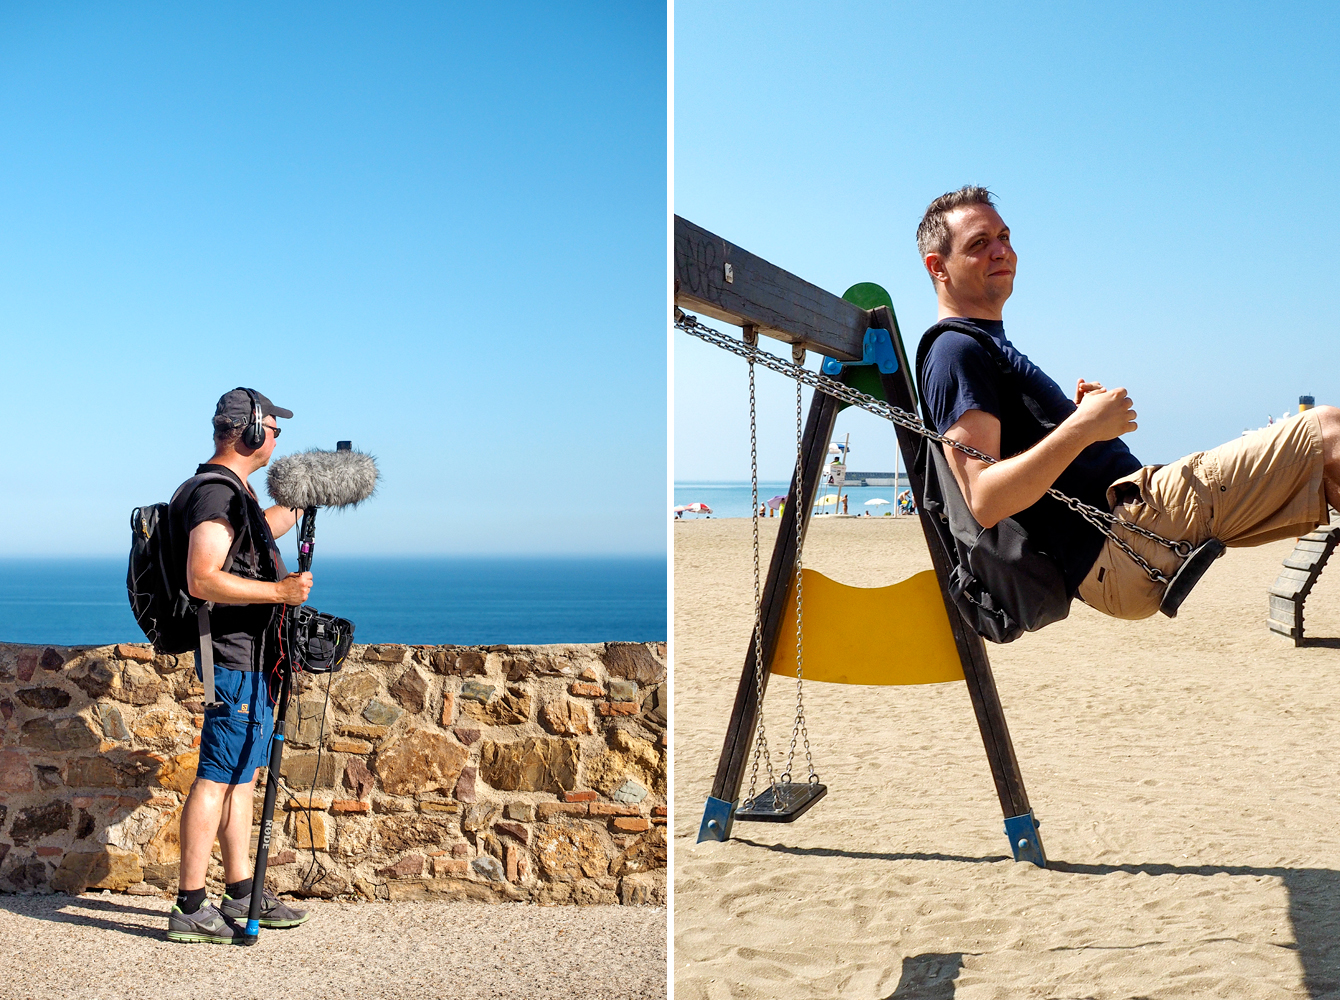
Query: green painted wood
865	378
868	295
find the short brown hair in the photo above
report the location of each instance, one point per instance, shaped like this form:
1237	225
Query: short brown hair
933	234
225	431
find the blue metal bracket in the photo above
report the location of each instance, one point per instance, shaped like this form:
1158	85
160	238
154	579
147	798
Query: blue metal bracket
718	820
1024	840
876	349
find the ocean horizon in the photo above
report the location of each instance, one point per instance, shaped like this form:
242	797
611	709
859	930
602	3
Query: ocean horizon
732	498
468	601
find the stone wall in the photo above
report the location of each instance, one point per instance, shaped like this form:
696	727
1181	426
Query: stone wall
490	773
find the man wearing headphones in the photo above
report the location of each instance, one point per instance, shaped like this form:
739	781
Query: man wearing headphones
232	560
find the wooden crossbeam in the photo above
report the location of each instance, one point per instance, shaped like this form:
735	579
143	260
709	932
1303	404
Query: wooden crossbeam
718	279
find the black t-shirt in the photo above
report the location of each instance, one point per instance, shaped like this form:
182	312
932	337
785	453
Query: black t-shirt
959	375
236	627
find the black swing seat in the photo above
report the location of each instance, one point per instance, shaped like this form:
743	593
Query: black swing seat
1188	575
782	803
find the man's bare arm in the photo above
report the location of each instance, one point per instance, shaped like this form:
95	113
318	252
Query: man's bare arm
995	492
206	580
281	519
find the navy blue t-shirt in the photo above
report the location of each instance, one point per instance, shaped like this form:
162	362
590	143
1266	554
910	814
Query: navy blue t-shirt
959	375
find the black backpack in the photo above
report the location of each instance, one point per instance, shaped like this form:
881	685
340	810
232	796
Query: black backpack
1002	583
156	579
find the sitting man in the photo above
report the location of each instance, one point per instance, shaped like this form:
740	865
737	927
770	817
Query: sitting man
1270	484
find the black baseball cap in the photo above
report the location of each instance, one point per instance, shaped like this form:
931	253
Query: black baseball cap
235	407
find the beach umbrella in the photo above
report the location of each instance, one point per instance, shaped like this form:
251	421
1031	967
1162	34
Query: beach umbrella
875	502
698	508
777	501
828	500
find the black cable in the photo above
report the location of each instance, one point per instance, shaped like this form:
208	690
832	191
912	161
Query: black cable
298	659
307	881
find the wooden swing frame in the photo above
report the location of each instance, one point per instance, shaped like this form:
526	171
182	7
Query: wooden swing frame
716	279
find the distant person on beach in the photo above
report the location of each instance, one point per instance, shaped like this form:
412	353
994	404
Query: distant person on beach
235	739
1270	484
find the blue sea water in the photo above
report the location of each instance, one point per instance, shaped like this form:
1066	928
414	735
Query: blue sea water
467	601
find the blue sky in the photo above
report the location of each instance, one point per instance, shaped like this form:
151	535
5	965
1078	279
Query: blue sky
434	229
1168	171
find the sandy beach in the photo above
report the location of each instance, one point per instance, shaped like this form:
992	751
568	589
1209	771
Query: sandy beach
1186	773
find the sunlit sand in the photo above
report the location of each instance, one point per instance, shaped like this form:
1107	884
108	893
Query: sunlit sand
1186	772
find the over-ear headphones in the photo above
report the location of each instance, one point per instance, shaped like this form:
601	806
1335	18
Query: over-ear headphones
253	435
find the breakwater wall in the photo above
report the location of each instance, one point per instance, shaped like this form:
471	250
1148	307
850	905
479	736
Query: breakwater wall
878	479
493	773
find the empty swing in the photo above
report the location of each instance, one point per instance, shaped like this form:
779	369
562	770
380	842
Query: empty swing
902	636
783	800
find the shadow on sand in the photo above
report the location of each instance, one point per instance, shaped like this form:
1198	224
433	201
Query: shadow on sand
1322	641
1314	914
54	908
928	977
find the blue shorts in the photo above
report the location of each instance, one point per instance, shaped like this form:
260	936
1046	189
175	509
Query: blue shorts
235	739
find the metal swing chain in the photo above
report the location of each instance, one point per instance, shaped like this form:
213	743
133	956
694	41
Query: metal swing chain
1104	521
798	729
760	734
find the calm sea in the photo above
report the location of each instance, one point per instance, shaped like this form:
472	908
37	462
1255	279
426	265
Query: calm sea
732	499
474	601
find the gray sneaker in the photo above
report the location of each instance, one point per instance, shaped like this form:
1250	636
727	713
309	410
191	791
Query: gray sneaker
274	911
206	925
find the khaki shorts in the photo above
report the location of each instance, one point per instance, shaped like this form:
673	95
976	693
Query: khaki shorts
1264	486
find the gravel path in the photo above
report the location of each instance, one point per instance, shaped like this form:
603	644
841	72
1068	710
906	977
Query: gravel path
112	947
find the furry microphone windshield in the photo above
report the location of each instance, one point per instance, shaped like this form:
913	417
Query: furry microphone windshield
322	479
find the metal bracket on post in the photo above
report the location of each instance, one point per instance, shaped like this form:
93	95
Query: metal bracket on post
876	349
1025	843
718	819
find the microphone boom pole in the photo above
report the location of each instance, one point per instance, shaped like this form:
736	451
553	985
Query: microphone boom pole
252	931
342	478
306	539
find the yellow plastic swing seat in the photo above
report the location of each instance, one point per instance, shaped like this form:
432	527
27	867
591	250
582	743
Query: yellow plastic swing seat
869	635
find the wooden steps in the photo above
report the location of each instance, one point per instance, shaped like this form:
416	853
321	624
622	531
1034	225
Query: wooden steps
1299	572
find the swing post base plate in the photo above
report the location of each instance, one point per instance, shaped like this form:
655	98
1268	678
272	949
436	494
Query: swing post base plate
1025	842
781	803
718	818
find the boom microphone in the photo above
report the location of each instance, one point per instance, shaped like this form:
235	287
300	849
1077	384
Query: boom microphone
317	643
316	478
